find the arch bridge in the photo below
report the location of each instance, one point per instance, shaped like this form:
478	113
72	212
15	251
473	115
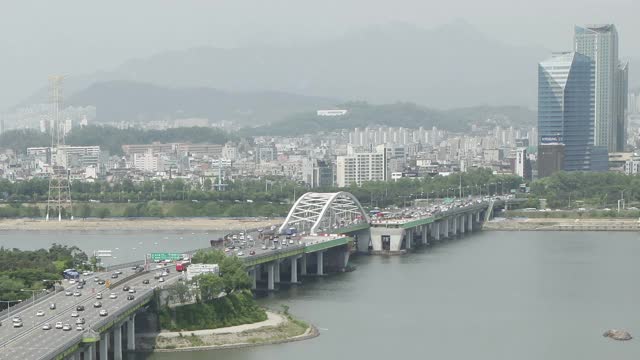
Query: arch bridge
315	213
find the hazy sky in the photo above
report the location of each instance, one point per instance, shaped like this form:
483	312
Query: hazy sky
39	38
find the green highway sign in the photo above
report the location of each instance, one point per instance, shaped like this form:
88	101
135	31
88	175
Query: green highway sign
165	256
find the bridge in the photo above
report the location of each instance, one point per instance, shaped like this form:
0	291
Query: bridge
329	226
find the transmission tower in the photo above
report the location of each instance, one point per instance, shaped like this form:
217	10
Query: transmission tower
59	199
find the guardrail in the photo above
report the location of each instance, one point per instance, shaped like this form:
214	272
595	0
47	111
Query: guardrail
4	314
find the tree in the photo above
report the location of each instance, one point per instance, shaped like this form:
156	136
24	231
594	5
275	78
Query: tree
210	285
85	211
180	292
104	212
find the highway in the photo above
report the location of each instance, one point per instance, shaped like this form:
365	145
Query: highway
31	342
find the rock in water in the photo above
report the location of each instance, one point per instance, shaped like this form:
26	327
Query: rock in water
618	334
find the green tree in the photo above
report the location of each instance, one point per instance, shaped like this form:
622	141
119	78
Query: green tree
210	286
85	211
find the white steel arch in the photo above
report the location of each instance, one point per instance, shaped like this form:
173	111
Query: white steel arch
322	212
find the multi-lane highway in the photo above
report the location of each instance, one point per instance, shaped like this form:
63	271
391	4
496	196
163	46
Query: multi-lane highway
32	342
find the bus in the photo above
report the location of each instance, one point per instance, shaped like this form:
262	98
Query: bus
71	274
182	265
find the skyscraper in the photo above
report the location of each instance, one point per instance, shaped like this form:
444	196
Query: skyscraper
565	111
600	44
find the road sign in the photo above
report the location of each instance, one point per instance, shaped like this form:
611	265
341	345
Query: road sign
165	256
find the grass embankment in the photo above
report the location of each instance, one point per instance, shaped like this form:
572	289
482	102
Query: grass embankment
289	330
234	309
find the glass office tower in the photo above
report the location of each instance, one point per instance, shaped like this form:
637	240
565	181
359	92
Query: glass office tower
565	108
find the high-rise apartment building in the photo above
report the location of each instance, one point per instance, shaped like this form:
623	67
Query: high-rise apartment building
600	44
357	168
565	110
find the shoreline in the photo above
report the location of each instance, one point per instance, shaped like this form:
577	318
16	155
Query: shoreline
137	224
562	224
268	332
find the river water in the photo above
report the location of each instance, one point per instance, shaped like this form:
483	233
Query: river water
490	295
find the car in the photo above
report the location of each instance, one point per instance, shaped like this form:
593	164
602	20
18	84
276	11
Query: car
145	281
17	324
101	282
80	308
17	319
96	279
66	327
40	313
86	273
264	247
80	286
103	313
46	326
77	293
72	281
80	321
240	253
79	327
156	276
161	279
134	268
167	270
132	291
290	242
130	297
99	296
68	293
52	306
114	276
125	288
59	325
118	272
163	274
97	304
252	252
113	296
74	314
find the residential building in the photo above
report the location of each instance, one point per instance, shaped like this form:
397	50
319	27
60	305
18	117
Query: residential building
317	173
357	168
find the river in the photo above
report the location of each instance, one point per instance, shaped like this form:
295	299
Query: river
490	295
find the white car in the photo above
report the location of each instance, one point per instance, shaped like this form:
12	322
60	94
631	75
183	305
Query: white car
59	325
74	314
40	313
17	324
72	281
68	293
66	327
103	313
113	296
132	291
240	253
79	327
164	273
77	293
46	326
99	296
161	279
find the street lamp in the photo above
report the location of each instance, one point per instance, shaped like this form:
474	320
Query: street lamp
33	292
8	302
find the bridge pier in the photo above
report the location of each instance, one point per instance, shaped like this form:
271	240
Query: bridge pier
470	222
455	225
294	269
408	238
104	346
117	342
131	333
425	234
463	223
253	274
90	352
320	265
270	276
445	228
277	271
303	264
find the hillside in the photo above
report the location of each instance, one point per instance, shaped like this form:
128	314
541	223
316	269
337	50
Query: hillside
450	66
400	114
135	101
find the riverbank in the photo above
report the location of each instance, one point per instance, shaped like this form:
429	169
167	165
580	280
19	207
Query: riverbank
135	224
562	224
278	328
